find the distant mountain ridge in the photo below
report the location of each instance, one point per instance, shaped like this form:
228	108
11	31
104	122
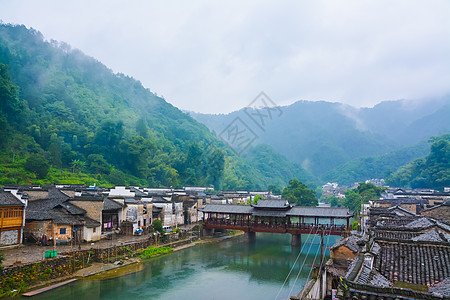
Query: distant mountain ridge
323	136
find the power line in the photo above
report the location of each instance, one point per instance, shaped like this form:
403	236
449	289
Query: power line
293	265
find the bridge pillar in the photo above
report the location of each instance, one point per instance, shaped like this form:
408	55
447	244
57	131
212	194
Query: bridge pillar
296	240
250	236
208	231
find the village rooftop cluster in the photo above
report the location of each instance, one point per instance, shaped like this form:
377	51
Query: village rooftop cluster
401	250
64	214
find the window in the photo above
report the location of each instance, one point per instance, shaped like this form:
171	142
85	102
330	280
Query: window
62	231
93	229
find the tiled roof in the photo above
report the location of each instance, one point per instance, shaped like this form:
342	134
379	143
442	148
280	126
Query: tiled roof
432	236
371	277
419	223
56	215
414	263
73	209
109	204
394	235
264	203
352	242
227	209
157	199
54	199
441	289
8	199
131	201
324	212
336	212
400	211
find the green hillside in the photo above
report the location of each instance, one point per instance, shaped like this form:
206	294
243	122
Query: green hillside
340	143
67	110
432	171
276	167
379	166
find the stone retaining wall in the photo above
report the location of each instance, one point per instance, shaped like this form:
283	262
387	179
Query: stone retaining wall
18	277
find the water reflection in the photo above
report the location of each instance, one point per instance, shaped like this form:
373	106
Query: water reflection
226	270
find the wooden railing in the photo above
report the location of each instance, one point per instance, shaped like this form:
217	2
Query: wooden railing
276	227
11	217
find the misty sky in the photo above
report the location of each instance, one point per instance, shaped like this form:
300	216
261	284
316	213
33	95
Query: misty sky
216	56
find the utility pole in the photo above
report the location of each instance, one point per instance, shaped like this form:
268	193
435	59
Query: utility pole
320	266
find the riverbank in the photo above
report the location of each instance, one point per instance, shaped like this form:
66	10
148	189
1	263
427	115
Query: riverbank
124	265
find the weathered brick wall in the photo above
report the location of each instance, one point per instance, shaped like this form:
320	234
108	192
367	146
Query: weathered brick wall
409	207
441	213
93	208
9	237
38	228
35	195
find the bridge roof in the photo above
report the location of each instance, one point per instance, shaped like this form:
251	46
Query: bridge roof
324	212
227	209
272	203
297	211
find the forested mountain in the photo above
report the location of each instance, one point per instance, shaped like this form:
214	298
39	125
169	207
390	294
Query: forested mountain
432	171
62	108
378	166
337	142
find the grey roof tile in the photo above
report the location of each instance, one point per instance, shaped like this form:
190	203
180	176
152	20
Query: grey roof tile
8	199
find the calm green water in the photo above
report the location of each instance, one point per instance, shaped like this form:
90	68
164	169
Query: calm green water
231	269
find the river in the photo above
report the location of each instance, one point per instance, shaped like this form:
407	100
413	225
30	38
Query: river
230	269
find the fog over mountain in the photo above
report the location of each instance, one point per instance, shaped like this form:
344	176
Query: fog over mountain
322	136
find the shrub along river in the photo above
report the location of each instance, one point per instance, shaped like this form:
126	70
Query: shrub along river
230	269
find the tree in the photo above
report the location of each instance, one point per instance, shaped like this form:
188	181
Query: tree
142	128
298	193
38	165
216	165
10	104
334	201
255	200
353	200
274	189
157	226
97	164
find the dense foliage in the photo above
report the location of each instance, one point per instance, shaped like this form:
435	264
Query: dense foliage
433	171
277	168
298	193
355	197
88	123
157	226
379	166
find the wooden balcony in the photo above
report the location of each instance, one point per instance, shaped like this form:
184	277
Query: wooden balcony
11	217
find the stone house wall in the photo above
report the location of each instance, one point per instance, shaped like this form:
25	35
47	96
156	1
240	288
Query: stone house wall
442	213
93	208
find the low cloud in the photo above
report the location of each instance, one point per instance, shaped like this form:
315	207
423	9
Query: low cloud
212	56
